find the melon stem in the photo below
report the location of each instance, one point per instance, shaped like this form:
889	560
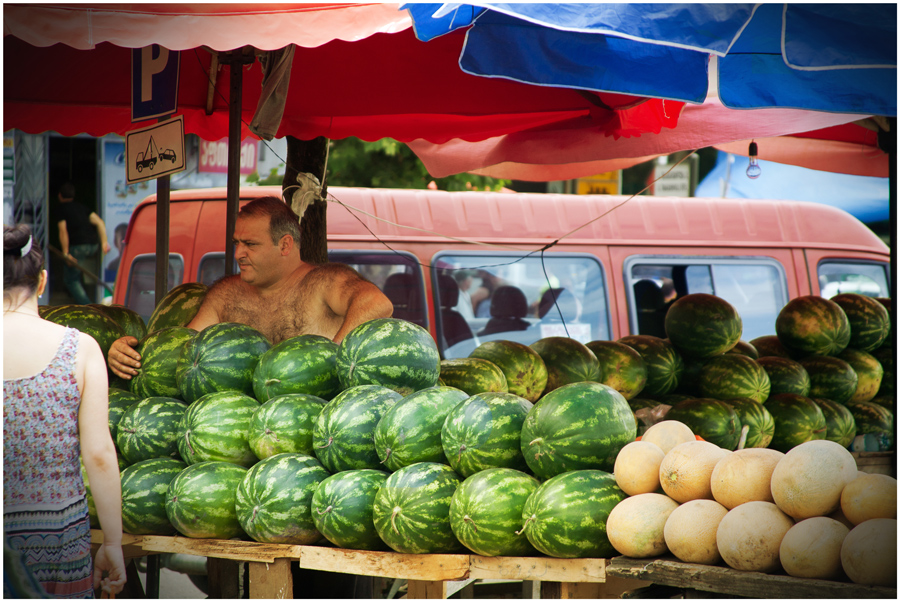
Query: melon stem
386	455
326	511
397	511
467	519
330	441
530	518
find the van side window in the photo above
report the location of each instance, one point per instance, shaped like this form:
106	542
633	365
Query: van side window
483	297
398	275
212	267
863	277
756	287
140	294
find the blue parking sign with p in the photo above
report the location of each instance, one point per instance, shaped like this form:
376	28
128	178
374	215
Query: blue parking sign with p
154	82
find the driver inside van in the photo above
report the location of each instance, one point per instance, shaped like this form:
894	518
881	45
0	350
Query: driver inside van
276	292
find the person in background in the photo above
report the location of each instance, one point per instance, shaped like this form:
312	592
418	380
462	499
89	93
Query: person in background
464	279
119	242
55	409
81	234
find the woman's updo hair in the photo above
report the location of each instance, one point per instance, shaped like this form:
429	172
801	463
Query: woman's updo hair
21	270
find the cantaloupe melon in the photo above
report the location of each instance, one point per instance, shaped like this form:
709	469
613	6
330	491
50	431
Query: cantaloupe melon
811	549
668	433
869	496
637	467
685	472
749	537
809	479
838	515
635	526
869	552
744	476
690	531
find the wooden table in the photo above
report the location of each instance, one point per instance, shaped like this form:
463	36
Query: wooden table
669	571
427	575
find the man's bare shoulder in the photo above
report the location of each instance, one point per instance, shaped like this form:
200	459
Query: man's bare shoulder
225	287
328	273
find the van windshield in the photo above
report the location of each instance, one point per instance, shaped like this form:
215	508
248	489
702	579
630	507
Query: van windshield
484	297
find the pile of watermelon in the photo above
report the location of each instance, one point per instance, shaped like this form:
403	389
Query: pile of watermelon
377	443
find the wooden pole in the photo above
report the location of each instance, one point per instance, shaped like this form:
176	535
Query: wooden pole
233	186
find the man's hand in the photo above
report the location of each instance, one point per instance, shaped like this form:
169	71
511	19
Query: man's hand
124	361
109	560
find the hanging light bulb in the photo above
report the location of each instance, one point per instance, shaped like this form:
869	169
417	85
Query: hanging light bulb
753	170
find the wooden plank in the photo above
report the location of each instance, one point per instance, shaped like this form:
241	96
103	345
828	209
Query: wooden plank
417	589
271	580
224	577
423	567
231	549
672	572
567	570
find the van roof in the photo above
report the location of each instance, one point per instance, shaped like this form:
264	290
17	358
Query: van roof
532	219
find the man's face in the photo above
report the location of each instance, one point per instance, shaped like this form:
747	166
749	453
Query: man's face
256	255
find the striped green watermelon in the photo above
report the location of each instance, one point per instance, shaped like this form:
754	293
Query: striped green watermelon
273	499
342	508
216	427
769	346
46	310
119	401
200	501
577	426
90	321
411	512
840	426
222	357
871	418
811	325
159	353
888	304
731	375
886	401
869	320
305	364
664	364
622	367
798	419
702	325
486	512
178	307
391	353
713	419
566	516
525	370
756	418
410	430
567	361
284	424
473	375
150	429
144	487
831	378
785	375
344	433
745	348
129	320
885	357
868	371
484	431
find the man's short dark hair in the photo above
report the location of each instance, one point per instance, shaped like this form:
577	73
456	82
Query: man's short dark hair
282	219
67	190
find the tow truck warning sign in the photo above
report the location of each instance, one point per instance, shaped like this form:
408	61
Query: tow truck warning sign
155	150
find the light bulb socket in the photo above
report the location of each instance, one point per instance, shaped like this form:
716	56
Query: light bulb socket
754	150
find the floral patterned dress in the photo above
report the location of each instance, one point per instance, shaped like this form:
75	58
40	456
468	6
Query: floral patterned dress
45	515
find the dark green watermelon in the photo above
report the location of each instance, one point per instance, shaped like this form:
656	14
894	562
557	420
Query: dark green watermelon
272	501
756	419
222	357
840	426
577	426
885	357
486	512
664	364
410	430
200	500
285	424
622	367
344	433
568	361
391	353
769	346
342	508
745	348
703	325
869	320
871	418
484	431
831	378
160	352
150	429
798	419
525	371
129	320
868	371
90	321
730	376
305	364
216	428
689	383
713	419
119	401
785	375
473	375
178	307
144	487
811	325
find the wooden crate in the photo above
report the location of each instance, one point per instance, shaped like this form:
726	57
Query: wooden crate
877	462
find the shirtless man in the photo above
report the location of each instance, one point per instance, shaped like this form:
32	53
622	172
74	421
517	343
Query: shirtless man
276	292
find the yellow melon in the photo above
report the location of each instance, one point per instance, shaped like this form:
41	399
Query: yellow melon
838	515
635	525
869	496
637	467
668	433
690	531
744	476
811	549
749	537
809	479
869	552
684	473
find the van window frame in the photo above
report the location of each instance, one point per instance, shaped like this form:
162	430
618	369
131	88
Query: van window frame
884	265
434	269
214	255
706	260
137	260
